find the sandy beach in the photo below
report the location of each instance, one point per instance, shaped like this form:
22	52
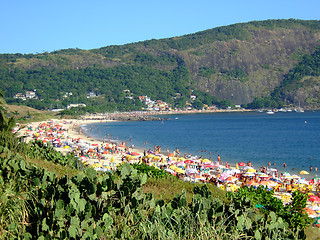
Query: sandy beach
66	135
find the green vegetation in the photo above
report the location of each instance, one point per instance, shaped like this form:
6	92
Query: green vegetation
244	55
134	202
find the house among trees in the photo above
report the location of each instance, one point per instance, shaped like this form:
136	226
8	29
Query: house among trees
91	95
76	105
67	94
28	95
31	95
20	96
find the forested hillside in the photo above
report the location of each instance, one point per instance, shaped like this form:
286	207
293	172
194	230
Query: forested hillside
235	64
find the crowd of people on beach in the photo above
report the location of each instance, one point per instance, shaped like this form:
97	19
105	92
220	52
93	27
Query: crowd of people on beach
106	155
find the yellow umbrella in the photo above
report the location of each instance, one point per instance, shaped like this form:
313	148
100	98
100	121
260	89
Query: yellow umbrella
66	147
173	167
179	170
206	160
156	158
303	172
251	170
182	159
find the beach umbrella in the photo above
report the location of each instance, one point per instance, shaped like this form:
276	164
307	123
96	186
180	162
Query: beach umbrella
196	160
247	167
313	198
172	162
242	164
206	160
263	175
225	175
248	174
295	177
191	171
233	171
173	167
303	172
278	180
156	158
180	163
217	165
208	166
251	170
170	155
309	211
252	183
135	154
303	181
231	179
179	170
188	161
170	171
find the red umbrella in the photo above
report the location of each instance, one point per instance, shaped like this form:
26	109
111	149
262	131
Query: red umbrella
207	166
135	154
310	211
242	164
188	161
314	198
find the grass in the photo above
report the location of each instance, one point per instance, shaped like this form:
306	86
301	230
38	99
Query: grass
24	114
167	188
58	169
313	233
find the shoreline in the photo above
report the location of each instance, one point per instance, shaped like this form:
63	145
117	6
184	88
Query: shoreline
71	132
75	129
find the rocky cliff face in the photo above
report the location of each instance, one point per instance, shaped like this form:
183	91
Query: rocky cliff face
265	58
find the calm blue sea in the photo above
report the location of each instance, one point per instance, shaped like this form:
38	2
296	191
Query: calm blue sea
291	138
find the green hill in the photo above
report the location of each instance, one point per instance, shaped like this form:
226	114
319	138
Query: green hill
238	63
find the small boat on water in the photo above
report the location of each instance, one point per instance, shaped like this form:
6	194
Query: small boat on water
270	112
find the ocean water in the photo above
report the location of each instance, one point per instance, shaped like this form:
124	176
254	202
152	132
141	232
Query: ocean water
291	138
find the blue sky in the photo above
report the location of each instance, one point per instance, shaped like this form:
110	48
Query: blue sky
35	26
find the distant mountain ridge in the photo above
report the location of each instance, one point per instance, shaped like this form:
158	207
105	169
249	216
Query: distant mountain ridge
239	63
